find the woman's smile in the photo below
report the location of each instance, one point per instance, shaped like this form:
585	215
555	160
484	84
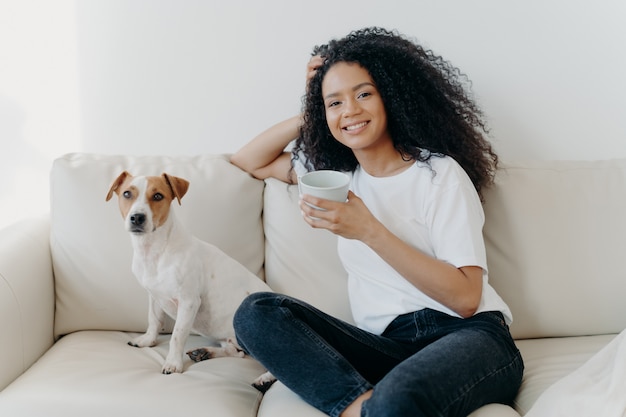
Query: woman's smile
356	126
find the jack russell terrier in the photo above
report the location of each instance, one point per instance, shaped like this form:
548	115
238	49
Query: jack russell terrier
192	281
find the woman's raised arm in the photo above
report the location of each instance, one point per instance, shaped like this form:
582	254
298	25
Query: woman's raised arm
265	155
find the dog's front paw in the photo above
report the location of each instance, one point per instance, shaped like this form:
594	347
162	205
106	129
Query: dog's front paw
143	341
264	382
172	367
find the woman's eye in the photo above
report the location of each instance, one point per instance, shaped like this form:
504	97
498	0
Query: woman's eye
157	197
364	94
333	103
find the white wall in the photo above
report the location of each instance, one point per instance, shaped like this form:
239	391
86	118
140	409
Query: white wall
39	110
201	76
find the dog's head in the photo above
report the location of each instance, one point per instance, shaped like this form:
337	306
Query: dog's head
145	201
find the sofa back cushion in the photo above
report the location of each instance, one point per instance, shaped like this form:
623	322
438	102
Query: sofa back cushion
555	233
556	241
301	261
91	251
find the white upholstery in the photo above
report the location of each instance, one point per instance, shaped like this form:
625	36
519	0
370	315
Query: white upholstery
299	260
555	235
549	359
556	241
96	373
26	296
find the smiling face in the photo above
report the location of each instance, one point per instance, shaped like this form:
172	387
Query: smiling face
355	112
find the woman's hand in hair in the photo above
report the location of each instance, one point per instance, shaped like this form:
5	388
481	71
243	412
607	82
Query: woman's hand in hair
314	63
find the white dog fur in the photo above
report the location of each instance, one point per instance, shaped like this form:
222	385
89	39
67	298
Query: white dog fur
192	281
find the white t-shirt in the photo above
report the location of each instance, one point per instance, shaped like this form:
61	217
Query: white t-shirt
434	208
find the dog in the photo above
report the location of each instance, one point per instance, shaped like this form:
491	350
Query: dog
192	281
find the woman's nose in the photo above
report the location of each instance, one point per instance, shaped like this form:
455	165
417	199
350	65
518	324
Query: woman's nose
351	107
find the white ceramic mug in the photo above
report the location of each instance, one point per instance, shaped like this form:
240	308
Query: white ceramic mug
326	184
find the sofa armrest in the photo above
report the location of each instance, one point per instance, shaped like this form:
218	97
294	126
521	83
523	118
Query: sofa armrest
26	296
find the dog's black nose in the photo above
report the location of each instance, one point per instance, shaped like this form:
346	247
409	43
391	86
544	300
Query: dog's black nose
137	219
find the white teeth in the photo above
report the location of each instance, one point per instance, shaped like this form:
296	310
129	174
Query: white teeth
356	126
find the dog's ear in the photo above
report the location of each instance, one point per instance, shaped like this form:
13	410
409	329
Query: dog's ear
178	185
117	183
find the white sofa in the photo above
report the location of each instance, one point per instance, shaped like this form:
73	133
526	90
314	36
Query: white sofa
556	237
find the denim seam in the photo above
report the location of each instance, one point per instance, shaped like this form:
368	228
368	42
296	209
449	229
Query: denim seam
357	337
462	394
363	384
349	399
331	352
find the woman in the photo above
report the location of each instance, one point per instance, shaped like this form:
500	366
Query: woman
431	335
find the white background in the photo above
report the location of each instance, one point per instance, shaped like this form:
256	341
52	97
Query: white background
201	76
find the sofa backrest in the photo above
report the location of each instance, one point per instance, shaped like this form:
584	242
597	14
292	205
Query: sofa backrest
91	251
556	241
301	261
555	235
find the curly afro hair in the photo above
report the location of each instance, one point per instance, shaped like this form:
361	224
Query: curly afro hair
430	111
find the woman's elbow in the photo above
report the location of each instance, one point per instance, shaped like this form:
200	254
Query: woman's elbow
244	165
469	297
258	173
468	306
239	162
468	311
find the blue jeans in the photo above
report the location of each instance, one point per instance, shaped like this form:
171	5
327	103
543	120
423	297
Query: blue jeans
426	363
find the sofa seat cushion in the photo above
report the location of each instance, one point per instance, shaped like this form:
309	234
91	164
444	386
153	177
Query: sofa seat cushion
96	373
280	401
550	359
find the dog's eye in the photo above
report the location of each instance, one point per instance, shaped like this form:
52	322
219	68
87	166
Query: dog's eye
127	194
157	197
